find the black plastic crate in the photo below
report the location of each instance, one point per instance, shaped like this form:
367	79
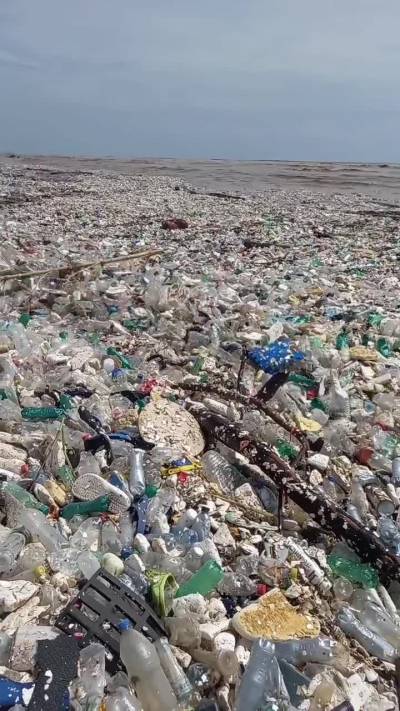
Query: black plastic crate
93	616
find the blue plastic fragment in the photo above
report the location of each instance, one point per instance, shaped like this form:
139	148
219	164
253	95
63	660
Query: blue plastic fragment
274	358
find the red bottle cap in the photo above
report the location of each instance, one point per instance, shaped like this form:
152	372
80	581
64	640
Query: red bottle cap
261	589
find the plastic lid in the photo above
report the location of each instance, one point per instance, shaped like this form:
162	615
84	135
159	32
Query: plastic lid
124	625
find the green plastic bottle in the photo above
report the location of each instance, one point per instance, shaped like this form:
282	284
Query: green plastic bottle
285	449
125	363
98	505
302	380
66	474
383	347
24	497
42	413
341	340
355	572
203	581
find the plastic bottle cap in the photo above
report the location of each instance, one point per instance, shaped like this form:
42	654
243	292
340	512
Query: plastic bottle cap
126	552
261	589
124	625
24	469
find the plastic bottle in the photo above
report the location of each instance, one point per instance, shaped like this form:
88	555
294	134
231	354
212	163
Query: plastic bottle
5	648
122	700
355	572
372	643
180	684
78	508
202	524
377	620
203	581
41	530
262	680
139	582
313	572
389	533
320	650
184	521
88	564
193	559
12	547
186	539
126	529
143	666
237	585
218	471
87	535
159	504
339	404
342	589
137	482
223	661
395	478
110	541
24	497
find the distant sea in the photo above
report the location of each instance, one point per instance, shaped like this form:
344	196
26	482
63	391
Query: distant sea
380	181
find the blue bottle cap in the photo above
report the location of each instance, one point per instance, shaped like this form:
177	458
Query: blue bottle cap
126	552
124	625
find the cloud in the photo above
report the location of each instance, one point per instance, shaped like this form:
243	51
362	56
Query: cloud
298	78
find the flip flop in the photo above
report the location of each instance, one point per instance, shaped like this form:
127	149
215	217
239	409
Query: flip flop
91	486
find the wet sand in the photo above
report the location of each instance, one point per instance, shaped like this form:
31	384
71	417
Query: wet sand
379	181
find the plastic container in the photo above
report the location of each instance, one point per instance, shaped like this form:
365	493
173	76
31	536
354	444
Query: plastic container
203	581
137	481
372	643
143	666
12	547
355	572
202	524
180	684
218	471
261	682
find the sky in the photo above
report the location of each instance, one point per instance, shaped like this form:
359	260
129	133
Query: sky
238	79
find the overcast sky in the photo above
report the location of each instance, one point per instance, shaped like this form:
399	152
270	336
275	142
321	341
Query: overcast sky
251	79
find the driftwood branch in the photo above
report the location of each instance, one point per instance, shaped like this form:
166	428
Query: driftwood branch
321	509
70	269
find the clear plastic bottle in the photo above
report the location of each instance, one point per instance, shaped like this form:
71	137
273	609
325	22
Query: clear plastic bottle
262	681
237	585
5	648
88	534
122	700
320	650
180	684
12	547
184	521
139	582
395	478
41	530
339	404
126	529
137	482
153	462
143	666
218	471
88	564
110	540
202	524
193	558
377	620
161	502
372	643
389	533
223	661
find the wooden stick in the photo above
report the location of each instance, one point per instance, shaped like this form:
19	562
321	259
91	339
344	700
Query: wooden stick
321	509
86	265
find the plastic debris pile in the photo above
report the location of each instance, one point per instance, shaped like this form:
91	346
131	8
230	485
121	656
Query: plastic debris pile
199	448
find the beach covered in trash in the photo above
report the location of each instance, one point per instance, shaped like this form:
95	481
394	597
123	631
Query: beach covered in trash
199	446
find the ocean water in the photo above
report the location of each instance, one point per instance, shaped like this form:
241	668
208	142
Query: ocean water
380	181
